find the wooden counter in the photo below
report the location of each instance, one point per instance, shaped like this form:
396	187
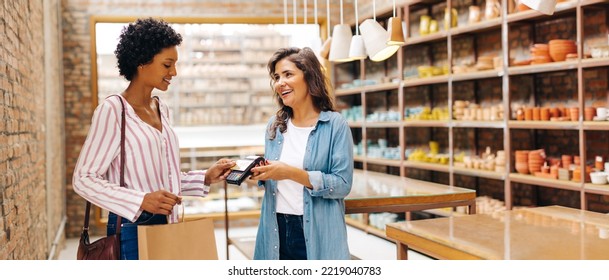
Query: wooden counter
542	233
379	192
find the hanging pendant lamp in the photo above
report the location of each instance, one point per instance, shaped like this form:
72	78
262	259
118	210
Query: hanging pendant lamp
375	39
545	6
339	51
325	48
357	50
394	28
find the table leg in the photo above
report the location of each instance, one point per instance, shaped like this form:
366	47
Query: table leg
402	253
472	208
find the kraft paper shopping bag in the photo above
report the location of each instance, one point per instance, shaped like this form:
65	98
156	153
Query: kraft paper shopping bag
189	240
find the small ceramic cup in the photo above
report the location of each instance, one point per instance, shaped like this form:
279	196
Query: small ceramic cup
601	112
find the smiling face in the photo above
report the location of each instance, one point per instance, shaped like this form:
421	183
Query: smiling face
158	73
290	85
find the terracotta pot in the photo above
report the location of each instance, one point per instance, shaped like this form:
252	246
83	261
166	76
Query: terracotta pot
574	114
589	113
554	113
545	114
536	114
528	114
520	114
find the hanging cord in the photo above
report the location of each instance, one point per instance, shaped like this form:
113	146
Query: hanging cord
305	12
328	14
341	12
295	16
356	20
285	12
374	10
315	12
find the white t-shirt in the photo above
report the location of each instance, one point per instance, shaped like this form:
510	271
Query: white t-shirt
290	193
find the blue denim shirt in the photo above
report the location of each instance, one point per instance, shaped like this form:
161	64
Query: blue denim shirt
329	162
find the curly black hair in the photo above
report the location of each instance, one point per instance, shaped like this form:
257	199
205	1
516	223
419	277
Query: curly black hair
140	41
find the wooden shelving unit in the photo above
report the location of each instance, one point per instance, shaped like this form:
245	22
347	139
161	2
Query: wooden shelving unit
445	47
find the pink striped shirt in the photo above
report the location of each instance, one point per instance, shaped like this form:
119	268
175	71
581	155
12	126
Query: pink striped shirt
152	162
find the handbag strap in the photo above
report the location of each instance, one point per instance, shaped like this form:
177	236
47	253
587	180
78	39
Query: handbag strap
122	172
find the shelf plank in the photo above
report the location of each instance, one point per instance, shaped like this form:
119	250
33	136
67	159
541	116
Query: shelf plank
584	3
478	124
348	91
485	74
543	68
438	36
481	26
393	124
426	166
597	189
425	81
366	228
601	125
368	88
532	14
418	123
543	125
479	173
359	158
381	87
533	180
594	62
356	124
382	161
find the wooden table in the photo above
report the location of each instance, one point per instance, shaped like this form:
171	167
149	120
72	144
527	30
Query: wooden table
551	232
378	192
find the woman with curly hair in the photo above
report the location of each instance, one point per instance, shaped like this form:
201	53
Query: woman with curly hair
309	167
153	182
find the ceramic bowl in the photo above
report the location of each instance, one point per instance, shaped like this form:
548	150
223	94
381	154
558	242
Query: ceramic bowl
598	178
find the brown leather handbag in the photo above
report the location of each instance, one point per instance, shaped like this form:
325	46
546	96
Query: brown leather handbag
105	248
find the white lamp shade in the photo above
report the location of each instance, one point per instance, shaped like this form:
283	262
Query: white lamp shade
357	50
545	6
375	39
341	42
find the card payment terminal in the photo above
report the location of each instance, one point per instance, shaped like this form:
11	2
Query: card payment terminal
242	169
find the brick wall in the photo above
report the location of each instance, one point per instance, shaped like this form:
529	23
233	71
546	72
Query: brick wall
29	198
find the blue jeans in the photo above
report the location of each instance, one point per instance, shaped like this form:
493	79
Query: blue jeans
292	244
129	250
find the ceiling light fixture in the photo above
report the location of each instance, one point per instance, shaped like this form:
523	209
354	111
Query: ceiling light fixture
375	38
339	51
396	34
357	50
545	6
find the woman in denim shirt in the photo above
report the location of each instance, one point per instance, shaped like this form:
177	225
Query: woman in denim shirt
309	166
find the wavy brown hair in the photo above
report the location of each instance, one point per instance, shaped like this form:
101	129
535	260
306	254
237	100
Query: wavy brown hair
317	82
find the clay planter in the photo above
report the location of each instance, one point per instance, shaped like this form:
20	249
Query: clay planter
536	114
589	113
528	114
544	114
574	114
554	112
